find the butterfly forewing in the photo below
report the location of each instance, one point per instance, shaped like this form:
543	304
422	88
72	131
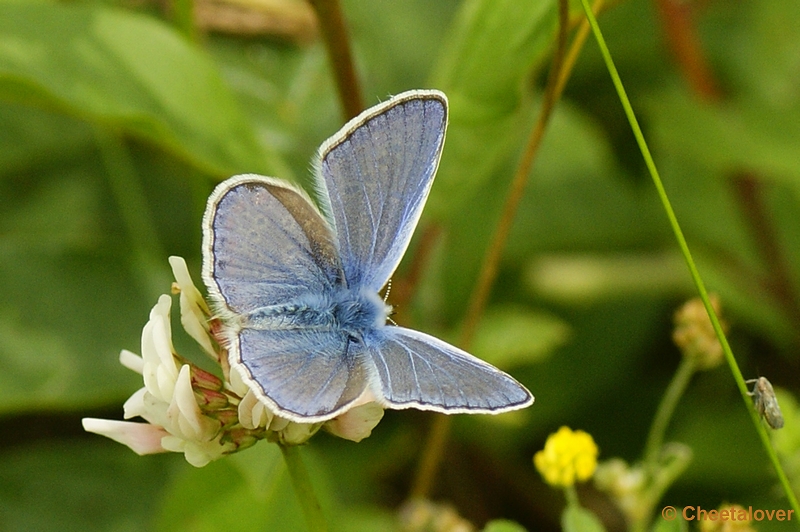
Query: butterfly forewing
375	176
264	244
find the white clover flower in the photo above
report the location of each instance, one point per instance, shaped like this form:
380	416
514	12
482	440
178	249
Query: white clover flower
184	415
132	361
135	406
160	369
357	423
278	423
297	433
195	412
237	385
253	413
142	438
197	453
194	309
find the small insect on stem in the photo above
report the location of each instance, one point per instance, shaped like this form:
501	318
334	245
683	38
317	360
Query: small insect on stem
765	402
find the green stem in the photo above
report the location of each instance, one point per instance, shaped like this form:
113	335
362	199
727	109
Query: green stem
337	42
491	261
302	487
440	430
571	495
698	281
655	440
673	460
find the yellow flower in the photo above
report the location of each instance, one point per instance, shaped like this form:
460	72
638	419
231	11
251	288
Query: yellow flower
568	456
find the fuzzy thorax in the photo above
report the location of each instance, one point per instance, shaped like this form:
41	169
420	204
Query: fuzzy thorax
351	311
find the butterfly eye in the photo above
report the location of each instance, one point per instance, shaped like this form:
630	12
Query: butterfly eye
355	339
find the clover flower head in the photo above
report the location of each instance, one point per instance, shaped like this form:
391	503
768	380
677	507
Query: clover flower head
196	412
695	336
625	484
568	456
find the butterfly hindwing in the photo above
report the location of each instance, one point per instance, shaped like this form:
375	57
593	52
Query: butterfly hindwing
420	371
306	374
374	177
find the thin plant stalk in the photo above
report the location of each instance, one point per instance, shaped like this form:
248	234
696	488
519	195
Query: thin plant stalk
491	261
673	461
571	494
301	482
337	43
661	475
440	429
698	281
575	49
675	390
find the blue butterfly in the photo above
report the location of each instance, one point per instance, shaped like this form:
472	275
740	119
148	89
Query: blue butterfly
297	287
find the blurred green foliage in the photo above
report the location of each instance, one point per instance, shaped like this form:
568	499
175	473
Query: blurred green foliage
114	128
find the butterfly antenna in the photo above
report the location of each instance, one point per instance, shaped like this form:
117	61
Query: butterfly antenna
388	290
386	300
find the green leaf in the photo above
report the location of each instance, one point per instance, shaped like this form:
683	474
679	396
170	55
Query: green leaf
53	350
756	48
70	300
415	23
62	320
129	72
579	197
727	245
512	335
787	440
503	525
578	519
